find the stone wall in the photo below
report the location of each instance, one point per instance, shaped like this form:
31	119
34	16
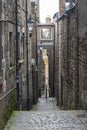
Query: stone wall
41	73
69	59
7	86
82	53
8	93
8	105
56	78
72	39
83	72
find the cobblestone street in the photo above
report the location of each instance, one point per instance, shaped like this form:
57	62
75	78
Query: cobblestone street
46	116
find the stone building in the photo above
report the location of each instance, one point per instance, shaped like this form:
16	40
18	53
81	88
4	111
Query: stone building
50	54
7	60
41	73
45	41
35	17
8	93
72	56
56	76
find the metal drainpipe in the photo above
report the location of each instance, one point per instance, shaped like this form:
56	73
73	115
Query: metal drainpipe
68	48
58	62
53	94
36	58
77	66
27	72
37	63
17	64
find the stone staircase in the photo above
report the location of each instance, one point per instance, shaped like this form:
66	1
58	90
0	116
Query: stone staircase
46	116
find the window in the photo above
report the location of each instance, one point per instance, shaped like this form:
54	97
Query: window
46	34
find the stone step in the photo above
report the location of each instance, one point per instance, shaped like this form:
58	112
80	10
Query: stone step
47	116
48	120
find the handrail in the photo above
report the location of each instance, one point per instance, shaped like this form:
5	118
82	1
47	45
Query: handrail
7	93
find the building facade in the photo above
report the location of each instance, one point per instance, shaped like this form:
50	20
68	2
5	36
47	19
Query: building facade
7	60
72	56
8	90
35	17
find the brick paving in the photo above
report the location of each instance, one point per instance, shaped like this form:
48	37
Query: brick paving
46	116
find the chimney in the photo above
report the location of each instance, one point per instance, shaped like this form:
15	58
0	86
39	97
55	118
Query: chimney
61	6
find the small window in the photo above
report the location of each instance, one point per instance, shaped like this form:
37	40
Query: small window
46	34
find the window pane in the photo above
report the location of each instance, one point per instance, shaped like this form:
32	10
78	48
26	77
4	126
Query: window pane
46	33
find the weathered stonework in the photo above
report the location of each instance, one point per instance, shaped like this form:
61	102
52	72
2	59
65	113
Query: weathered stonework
41	73
8	97
72	32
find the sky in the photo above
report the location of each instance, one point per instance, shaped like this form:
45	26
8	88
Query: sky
48	7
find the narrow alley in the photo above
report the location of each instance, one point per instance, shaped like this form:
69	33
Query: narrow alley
43	64
46	116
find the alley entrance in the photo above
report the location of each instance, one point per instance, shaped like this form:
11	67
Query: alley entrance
46	59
